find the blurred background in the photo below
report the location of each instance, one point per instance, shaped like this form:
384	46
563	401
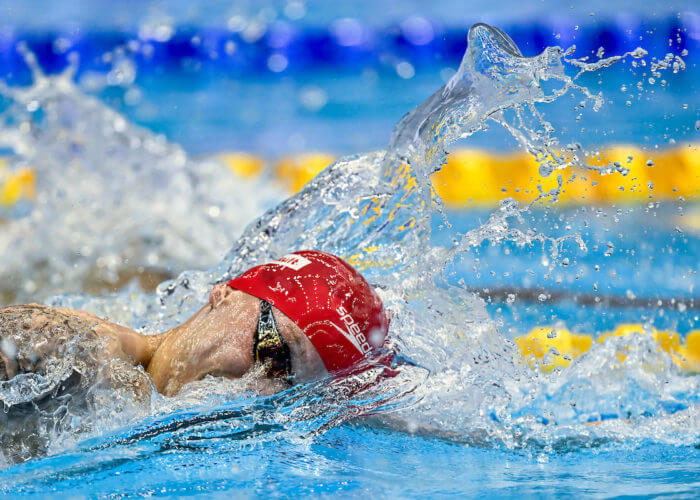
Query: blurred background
276	90
275	77
139	138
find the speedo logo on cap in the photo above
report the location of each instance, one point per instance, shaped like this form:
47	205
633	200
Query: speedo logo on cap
292	261
354	334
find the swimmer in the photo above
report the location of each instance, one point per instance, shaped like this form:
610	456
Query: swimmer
292	320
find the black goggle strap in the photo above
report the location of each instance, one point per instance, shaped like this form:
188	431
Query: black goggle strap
268	344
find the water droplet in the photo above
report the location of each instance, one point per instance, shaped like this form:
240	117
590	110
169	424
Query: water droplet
295	10
313	97
277	63
8	347
405	70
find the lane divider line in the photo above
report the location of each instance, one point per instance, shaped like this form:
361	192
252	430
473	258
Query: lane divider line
472	177
546	348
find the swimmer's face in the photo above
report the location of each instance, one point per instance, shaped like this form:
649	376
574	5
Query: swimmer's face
218	340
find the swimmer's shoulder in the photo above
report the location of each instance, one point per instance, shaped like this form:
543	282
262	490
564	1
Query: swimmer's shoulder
27	310
39	310
33	321
23	314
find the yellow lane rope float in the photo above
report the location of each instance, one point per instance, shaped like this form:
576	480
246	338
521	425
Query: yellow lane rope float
546	348
243	164
478	178
474	178
295	171
15	185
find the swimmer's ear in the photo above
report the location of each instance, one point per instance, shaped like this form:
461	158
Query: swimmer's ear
218	293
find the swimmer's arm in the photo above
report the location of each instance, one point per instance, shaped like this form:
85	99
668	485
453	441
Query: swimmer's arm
122	342
125	342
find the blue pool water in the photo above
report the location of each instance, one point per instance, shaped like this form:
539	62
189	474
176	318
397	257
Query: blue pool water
190	88
468	420
222	112
653	259
359	461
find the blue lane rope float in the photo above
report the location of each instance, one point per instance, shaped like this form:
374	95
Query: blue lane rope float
282	46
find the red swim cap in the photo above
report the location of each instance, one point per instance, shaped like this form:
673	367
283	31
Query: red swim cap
324	296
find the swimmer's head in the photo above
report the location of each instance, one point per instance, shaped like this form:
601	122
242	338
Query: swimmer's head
295	319
327	299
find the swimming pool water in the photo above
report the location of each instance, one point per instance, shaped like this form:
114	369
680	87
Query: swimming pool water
358	460
633	258
325	108
247	448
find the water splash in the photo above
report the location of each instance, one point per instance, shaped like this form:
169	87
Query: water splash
114	202
375	210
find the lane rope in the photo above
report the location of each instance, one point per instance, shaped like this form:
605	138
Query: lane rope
478	178
546	348
472	177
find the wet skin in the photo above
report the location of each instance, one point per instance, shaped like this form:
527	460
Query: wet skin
217	340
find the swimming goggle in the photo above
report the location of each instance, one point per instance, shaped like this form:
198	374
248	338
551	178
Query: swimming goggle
268	345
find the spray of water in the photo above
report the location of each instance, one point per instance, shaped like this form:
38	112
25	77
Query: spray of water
114	201
468	382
